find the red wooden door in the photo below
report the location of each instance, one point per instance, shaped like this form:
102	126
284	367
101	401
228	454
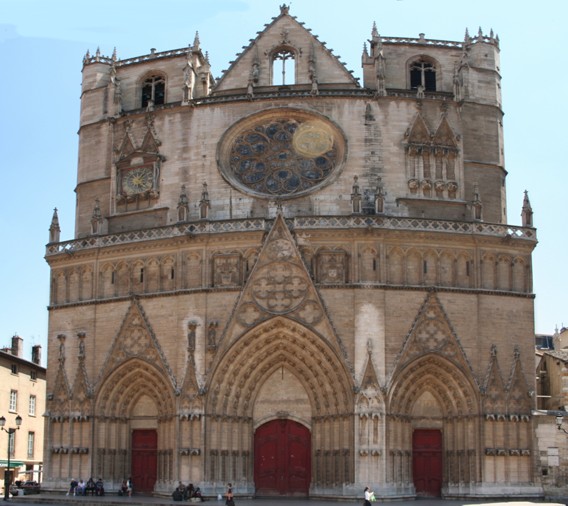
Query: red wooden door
427	462
144	459
282	458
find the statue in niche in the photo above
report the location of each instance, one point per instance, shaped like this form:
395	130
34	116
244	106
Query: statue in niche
191	332
61	338
380	65
187	88
255	73
212	335
81	336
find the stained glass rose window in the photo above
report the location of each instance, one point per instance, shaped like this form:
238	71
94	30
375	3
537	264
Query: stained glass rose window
282	153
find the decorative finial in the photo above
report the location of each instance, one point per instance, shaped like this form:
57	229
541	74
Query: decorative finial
196	42
114	56
183	206
527	212
374	31
54	229
284	9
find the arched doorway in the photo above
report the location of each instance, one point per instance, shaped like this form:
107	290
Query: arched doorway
144	459
439	429
427	462
282	464
130	431
280	370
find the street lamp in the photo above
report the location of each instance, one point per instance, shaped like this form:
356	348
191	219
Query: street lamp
9	431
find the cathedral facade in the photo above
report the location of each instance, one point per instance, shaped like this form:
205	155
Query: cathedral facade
293	281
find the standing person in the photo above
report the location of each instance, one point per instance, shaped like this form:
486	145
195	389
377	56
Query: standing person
368	494
129	486
229	495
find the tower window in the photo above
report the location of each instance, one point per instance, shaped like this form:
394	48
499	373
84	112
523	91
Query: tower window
283	67
423	74
153	89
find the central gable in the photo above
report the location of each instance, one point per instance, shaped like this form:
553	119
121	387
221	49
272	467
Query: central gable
286	44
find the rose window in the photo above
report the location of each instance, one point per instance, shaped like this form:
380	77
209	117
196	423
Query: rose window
283	155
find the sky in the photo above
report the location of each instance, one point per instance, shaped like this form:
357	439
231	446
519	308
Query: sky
42	44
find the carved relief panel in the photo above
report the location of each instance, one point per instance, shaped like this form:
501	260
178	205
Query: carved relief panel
332	267
227	269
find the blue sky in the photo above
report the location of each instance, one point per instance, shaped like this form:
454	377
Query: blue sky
42	44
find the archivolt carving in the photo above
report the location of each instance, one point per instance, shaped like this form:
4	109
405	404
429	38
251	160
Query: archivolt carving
446	382
128	383
280	343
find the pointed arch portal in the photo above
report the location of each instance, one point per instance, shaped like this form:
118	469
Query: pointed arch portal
133	405
281	396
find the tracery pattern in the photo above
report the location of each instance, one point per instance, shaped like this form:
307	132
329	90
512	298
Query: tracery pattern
283	156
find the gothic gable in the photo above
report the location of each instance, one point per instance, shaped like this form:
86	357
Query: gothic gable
280	285
494	399
370	380
432	333
444	135
82	392
191	398
135	339
519	393
419	132
314	63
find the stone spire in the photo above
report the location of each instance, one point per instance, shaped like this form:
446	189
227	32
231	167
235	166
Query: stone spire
54	229
374	31
356	196
527	212
379	198
183	206
196	42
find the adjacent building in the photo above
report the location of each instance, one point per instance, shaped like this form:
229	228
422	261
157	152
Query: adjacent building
22	394
292	280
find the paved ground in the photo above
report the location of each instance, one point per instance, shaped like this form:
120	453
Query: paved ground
137	500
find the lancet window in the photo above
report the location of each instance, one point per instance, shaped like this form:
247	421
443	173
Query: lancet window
283	67
423	73
153	91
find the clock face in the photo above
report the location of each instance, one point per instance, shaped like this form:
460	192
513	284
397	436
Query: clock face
137	180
